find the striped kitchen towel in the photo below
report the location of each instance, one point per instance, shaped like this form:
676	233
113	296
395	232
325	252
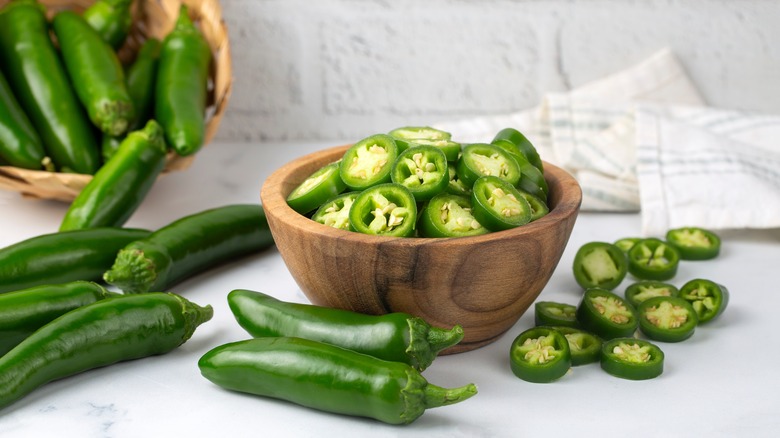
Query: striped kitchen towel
601	134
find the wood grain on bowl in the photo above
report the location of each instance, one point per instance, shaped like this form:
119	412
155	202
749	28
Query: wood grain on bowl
483	283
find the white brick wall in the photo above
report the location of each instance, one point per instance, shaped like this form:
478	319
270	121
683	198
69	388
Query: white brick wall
343	69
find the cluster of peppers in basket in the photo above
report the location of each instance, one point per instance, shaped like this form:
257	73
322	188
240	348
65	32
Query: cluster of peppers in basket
53	98
417	181
602	326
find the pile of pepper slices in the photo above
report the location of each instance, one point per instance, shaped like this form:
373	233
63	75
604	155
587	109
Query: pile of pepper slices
417	181
602	327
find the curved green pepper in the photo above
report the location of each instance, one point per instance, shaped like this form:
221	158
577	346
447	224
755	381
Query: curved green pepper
181	88
62	257
644	290
694	243
555	314
667	319
606	314
448	215
481	159
540	355
709	299
335	212
96	335
632	359
24	311
523	145
95	73
39	80
653	259
599	264
397	337
384	210
119	187
320	186
585	347
20	144
423	170
327	378
189	246
111	19
368	162
498	205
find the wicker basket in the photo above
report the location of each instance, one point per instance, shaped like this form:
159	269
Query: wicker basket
152	18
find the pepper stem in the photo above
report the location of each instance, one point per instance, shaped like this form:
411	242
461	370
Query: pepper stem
435	396
440	339
132	272
425	342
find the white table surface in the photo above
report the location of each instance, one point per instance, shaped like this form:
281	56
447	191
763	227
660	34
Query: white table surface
721	382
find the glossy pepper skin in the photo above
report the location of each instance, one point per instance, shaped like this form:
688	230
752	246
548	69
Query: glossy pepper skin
328	378
20	144
62	257
180	97
140	78
119	187
397	337
96	335
95	72
189	246
40	83
111	19
25	311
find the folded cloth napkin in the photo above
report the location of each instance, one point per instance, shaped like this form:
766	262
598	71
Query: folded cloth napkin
601	134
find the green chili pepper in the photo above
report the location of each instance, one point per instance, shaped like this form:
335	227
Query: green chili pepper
653	259
531	178
448	215
182	76
423	170
540	355
606	314
96	335
667	319
20	144
189	246
498	205
644	290
328	378
95	73
62	257
397	337
40	82
709	299
632	359
555	314
119	187
585	347
523	145
694	243
368	162
320	186
599	264
335	212
481	159
111	19
24	311
140	80
384	210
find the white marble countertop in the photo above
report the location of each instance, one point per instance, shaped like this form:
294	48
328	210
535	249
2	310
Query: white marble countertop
721	382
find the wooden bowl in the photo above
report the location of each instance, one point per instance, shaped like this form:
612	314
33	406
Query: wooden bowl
151	18
484	283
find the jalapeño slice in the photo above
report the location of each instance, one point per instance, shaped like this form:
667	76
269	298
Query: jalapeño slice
667	319
448	215
599	264
335	212
320	186
644	290
606	314
694	243
384	210
523	144
709	299
481	159
498	205
555	314
423	170
540	355
632	359
585	347
368	162
653	259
